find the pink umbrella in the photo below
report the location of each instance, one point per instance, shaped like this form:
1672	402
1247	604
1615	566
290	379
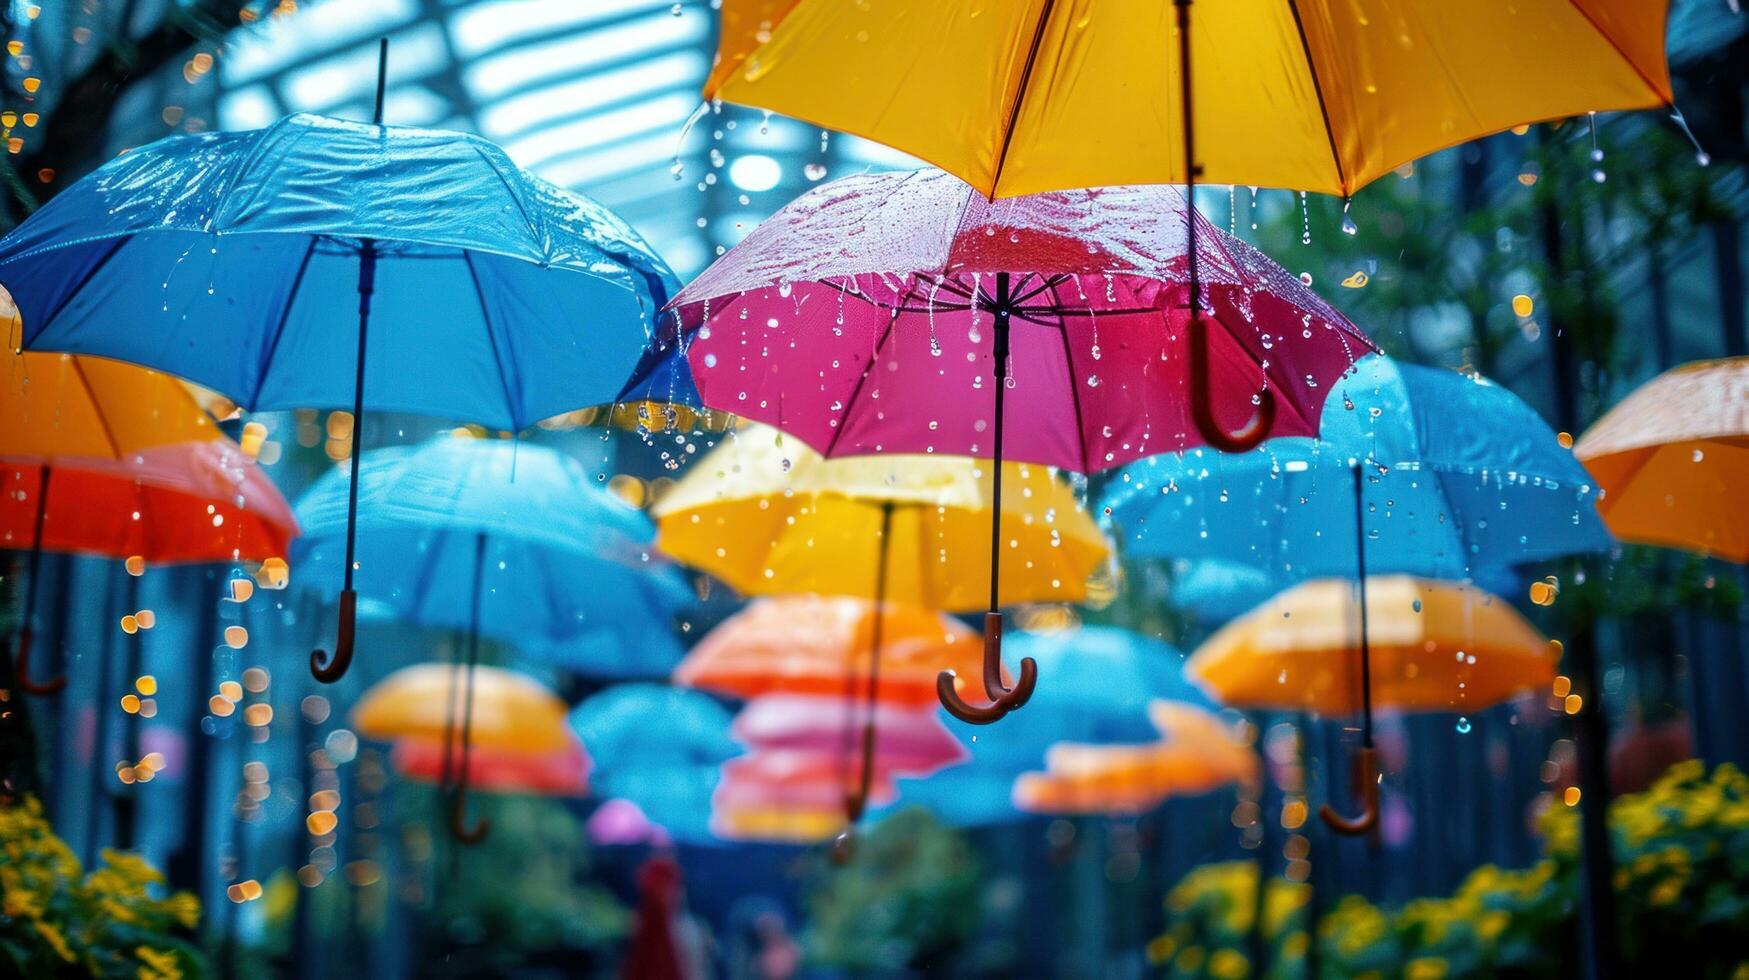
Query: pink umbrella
893	312
804	779
909	741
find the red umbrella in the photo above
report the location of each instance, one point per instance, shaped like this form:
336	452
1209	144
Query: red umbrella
893	313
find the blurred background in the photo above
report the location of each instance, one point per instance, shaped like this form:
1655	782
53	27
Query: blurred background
1473	260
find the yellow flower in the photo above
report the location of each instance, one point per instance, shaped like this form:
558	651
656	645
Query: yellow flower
1160	949
57	941
184	908
1426	968
1191	958
1665	892
1229	964
157	964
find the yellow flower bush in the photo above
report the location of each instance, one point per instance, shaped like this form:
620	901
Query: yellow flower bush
58	921
1682	881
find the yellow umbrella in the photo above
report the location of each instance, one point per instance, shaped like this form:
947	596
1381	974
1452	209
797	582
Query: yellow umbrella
1421	646
768	515
1672	460
1026	96
511	711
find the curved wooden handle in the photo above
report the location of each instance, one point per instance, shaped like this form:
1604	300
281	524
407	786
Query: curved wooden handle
1202	410
458	828
1369	799
21	664
1003	699
330	669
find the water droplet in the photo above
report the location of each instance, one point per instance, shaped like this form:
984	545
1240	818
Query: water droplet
1463	726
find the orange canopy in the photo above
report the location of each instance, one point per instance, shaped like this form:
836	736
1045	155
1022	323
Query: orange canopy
811	644
1672	460
1436	646
511	711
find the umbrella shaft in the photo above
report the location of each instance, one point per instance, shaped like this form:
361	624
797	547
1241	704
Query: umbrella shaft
367	279
1002	313
36	547
1360	572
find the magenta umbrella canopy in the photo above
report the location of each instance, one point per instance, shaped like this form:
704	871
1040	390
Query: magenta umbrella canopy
861	319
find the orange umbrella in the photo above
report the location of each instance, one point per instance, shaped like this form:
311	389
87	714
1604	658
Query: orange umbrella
1420	646
812	644
1672	460
511	711
1298	651
564	772
103	458
1198	752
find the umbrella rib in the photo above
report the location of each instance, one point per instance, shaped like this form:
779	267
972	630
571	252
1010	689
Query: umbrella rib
1318	90
1038	35
97	408
279	329
491	338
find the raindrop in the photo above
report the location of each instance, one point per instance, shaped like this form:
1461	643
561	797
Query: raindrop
1463	726
814	171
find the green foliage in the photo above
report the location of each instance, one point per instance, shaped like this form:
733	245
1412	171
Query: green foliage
56	920
521	894
1682	853
908	896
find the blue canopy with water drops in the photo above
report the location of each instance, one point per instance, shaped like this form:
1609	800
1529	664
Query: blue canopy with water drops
1094	687
567	569
1461	477
660	747
232	260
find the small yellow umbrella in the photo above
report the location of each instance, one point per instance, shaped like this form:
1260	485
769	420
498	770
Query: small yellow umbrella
768	515
1421	646
1672	460
1317	95
511	711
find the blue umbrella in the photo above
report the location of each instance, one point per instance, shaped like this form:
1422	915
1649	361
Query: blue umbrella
1461	477
561	569
661	748
1416	471
497	538
239	261
1100	682
1215	590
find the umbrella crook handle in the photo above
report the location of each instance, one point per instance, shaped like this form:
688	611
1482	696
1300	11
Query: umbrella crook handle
1368	771
41	689
458	828
330	669
1003	699
1201	399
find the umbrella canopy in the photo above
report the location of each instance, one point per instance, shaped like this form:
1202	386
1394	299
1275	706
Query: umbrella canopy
1101	681
1672	460
237	256
802	779
133	466
564	772
511	711
1314	95
861	319
910	740
1197	752
660	748
560	567
817	644
769	515
1462	478
243	256
1435	646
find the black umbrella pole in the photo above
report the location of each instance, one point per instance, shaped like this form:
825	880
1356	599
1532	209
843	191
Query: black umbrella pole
1366	772
866	778
1591	735
1002	698
324	668
459	799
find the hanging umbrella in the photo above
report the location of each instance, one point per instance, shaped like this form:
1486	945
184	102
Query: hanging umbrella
107	459
872	314
1102	683
1463	479
1196	753
564	772
1311	95
252	262
912	740
1425	472
559	566
496	538
1672	460
1423	646
660	748
788	795
498	709
809	644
